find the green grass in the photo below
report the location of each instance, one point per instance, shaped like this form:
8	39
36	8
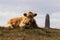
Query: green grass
29	34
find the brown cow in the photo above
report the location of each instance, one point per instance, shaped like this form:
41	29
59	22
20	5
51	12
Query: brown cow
26	21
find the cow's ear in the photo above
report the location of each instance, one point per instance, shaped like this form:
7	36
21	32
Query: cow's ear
35	14
25	14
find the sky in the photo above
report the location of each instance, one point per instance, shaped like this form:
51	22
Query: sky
13	8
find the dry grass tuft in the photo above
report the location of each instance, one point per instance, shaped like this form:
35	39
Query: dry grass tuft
29	34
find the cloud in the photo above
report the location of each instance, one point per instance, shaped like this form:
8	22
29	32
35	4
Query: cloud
55	20
5	16
38	5
55	15
40	19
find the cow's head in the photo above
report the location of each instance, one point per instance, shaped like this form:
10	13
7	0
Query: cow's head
28	19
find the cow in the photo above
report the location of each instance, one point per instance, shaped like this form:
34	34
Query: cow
26	21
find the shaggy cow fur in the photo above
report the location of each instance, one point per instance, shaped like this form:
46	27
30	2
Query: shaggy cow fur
26	21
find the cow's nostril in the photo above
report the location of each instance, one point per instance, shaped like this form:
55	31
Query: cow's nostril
30	21
27	23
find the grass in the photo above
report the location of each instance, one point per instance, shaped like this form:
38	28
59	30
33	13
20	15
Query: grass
29	34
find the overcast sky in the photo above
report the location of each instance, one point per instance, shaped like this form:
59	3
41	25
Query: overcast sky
13	8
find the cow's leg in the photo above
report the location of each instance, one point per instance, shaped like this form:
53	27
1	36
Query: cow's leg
10	26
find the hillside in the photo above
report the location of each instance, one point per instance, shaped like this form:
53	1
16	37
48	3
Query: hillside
29	34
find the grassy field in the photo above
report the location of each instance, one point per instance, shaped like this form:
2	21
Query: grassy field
29	34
